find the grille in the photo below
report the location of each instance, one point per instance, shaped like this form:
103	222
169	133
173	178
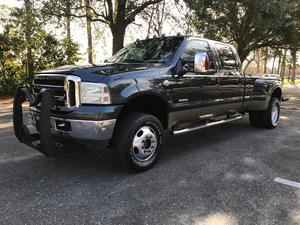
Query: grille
64	87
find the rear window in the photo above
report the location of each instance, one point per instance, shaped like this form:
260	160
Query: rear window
227	57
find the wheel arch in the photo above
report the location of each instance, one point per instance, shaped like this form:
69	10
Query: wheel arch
147	102
277	93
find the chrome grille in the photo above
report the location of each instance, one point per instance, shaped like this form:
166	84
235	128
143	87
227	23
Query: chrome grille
65	88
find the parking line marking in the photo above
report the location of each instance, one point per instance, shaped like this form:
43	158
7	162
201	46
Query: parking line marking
287	182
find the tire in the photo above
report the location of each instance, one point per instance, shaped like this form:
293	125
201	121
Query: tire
138	141
254	118
269	118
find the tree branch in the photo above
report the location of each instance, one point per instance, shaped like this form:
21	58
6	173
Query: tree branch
131	16
109	10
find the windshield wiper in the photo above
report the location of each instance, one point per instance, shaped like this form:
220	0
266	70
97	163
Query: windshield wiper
155	61
132	61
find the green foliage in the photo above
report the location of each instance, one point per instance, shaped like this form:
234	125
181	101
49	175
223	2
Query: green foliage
286	81
47	50
250	24
50	52
11	76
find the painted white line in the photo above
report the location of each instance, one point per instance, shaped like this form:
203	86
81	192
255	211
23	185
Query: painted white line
287	182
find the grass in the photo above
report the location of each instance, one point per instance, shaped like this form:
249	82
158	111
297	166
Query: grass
290	82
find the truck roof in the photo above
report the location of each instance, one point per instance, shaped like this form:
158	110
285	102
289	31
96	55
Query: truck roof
188	37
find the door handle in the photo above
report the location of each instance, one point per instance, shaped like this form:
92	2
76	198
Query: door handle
218	81
229	73
168	83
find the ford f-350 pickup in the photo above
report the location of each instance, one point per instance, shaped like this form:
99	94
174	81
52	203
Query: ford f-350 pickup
177	84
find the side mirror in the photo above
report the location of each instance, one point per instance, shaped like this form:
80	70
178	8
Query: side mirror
201	62
182	67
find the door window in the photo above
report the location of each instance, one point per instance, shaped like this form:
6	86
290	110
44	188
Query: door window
195	47
226	56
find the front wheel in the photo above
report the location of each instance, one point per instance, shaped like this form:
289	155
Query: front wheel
138	141
269	118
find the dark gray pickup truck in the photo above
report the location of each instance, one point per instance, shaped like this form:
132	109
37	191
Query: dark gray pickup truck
176	84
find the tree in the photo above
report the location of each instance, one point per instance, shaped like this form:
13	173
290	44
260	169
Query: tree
279	61
28	34
56	10
266	57
250	24
171	14
274	59
283	65
46	52
156	16
294	64
88	14
117	14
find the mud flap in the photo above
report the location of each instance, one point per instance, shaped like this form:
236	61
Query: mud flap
42	141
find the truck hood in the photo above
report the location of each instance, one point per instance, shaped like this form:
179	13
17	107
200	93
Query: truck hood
105	69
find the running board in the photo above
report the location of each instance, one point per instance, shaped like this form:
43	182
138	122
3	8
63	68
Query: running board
175	132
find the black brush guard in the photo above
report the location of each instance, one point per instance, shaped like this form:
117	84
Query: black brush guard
42	141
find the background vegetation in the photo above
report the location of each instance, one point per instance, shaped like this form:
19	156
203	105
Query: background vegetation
38	34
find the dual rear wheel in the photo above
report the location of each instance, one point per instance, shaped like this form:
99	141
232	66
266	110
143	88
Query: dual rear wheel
266	119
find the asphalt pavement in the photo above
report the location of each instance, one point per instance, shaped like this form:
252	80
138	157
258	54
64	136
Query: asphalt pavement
221	175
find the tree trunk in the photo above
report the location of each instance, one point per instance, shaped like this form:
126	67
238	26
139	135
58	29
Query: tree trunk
160	13
266	56
89	31
68	19
28	34
118	33
279	61
150	21
294	58
258	61
242	53
68	28
283	65
274	59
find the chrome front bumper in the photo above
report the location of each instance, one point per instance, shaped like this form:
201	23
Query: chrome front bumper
80	129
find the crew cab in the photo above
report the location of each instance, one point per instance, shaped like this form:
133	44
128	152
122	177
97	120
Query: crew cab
172	84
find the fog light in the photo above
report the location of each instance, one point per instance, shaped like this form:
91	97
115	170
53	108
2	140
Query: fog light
63	125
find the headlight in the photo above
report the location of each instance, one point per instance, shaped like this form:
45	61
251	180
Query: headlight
94	93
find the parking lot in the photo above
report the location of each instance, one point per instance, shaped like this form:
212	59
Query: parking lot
219	175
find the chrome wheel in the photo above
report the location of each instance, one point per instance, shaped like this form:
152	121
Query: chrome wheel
144	144
275	113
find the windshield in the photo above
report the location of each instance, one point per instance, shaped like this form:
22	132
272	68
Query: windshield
157	50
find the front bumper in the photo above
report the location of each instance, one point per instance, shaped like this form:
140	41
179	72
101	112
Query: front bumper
94	130
84	123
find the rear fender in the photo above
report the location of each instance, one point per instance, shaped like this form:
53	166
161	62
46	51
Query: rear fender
261	94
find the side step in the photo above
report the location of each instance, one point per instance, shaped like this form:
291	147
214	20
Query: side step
185	130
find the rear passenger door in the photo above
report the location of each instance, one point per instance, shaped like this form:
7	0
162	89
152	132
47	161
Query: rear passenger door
231	87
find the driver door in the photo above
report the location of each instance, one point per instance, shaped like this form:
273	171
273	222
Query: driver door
194	94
